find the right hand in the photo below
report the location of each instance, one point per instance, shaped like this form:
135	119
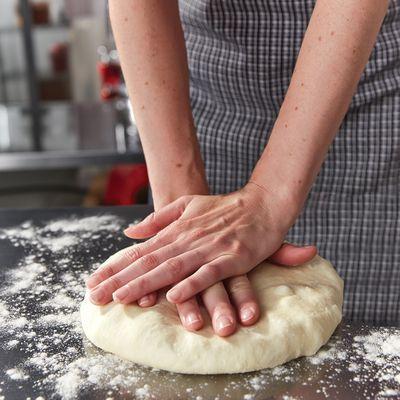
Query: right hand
233	301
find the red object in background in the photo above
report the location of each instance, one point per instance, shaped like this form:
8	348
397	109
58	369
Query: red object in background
59	57
40	13
111	79
126	183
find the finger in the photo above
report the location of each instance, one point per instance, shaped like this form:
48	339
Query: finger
222	314
103	293
148	301
158	220
244	299
291	255
214	271
173	270
190	315
125	257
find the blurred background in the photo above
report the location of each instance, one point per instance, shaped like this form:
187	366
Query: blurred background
67	133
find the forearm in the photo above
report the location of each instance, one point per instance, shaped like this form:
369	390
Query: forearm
151	46
334	52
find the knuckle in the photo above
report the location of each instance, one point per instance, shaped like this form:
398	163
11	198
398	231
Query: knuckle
151	217
221	241
213	271
175	267
105	272
184	201
131	253
179	225
198	233
224	220
149	261
114	283
239	202
238	247
239	286
192	285
143	285
153	220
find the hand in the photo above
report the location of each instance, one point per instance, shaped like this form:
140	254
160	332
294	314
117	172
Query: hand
235	301
199	240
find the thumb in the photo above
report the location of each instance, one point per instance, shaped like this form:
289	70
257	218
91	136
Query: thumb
158	220
291	255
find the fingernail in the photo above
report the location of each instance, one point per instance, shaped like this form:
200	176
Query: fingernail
173	295
247	314
144	300
120	294
192	318
223	322
97	295
128	229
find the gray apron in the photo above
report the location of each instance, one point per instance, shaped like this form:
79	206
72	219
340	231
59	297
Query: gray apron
241	57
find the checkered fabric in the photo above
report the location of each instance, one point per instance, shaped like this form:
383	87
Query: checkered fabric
241	57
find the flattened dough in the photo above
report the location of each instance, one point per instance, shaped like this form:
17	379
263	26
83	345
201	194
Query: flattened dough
300	309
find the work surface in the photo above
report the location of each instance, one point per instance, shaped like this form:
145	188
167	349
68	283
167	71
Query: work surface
44	258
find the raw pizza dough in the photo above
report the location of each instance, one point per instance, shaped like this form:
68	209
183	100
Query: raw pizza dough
300	309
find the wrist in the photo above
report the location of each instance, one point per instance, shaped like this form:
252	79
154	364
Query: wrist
182	184
277	202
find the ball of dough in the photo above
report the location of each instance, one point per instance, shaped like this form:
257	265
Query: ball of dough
300	308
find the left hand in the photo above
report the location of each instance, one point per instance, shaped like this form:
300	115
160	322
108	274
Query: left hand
199	240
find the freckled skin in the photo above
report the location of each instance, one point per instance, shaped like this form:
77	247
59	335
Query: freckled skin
296	108
154	34
179	165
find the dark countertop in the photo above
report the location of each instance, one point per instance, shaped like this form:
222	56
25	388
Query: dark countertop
44	353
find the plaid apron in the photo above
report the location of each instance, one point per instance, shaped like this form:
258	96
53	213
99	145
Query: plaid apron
241	56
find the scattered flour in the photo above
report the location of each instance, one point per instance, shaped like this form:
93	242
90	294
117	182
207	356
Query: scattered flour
89	225
26	276
4	313
60	236
59	301
325	355
17	374
39	317
61	243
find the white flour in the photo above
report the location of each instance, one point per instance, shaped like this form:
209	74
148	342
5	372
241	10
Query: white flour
39	317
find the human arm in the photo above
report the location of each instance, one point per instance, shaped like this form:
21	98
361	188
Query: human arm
250	224
334	52
152	50
151	46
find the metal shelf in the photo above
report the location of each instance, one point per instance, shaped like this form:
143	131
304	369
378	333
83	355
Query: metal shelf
15	75
60	159
17	29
